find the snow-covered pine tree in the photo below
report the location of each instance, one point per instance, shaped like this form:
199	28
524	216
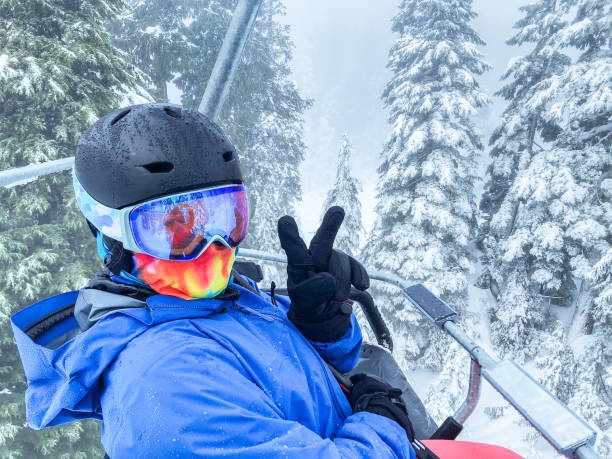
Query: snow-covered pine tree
425	192
445	395
556	237
153	32
58	73
178	42
275	148
350	237
556	363
582	108
594	357
512	225
345	193
515	136
555	221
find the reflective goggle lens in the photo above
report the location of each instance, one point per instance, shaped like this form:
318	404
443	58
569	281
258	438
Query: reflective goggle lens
180	227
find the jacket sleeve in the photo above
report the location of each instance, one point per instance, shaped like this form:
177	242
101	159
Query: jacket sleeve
342	354
179	412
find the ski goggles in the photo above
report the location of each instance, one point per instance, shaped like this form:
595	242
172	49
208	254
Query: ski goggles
176	227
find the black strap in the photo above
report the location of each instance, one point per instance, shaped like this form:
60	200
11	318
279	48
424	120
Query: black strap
118	259
47	322
229	294
272	292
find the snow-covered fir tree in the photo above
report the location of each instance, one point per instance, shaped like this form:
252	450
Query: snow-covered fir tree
515	136
426	203
350	237
594	357
276	147
58	74
556	363
582	107
516	228
345	193
178	42
550	233
548	254
446	394
153	33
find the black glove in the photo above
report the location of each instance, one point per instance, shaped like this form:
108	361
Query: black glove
375	396
319	279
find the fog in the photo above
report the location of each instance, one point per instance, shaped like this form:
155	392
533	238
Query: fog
340	58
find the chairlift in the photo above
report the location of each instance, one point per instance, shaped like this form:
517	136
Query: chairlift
568	433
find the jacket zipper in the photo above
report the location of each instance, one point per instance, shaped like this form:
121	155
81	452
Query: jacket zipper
253	312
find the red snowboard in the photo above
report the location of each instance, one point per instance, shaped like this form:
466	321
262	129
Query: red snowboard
453	449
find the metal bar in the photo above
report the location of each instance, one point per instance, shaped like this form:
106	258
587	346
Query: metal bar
585	452
559	425
479	354
260	255
473	395
12	177
228	59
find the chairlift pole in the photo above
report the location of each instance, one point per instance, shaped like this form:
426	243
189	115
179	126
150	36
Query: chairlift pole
216	92
228	59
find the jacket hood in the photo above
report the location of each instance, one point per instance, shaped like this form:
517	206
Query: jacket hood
63	363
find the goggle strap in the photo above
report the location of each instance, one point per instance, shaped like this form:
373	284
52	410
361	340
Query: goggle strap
118	259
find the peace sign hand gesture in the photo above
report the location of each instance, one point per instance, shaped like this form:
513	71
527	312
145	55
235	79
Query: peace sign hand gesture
319	278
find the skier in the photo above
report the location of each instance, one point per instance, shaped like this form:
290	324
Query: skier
177	353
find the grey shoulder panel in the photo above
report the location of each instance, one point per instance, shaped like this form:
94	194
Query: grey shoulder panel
92	305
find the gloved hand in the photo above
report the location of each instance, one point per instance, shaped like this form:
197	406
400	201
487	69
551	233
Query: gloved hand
319	279
375	396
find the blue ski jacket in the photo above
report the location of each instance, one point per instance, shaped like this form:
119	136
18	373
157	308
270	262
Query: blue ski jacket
199	378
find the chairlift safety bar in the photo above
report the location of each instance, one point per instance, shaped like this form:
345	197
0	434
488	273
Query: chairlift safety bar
473	395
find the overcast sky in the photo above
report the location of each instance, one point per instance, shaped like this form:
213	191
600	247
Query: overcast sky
340	57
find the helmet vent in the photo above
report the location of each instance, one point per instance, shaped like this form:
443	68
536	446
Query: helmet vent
228	156
119	117
159	167
172	113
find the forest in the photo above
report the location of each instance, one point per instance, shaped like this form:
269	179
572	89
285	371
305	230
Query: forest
526	259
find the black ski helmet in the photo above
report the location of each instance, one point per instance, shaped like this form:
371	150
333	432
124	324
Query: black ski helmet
146	151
